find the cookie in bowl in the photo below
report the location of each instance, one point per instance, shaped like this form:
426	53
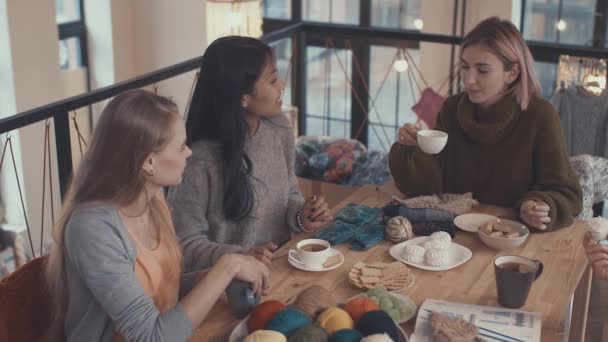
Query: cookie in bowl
502	234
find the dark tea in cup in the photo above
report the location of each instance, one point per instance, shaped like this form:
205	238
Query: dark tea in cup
517	267
313	248
514	278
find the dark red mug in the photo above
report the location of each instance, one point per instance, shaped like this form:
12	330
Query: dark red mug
514	278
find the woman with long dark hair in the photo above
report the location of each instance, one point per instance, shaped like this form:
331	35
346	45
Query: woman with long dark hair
239	192
114	271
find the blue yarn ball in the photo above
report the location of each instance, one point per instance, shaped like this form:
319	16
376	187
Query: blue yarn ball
346	335
377	322
288	321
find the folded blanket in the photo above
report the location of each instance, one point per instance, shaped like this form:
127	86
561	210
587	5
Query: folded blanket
455	203
416	214
358	224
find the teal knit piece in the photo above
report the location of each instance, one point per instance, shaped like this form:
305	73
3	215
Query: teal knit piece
346	335
358	224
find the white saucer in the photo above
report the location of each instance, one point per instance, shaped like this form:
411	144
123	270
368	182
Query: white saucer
406	300
457	254
293	261
471	222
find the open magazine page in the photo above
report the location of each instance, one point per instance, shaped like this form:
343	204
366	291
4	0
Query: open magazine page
495	324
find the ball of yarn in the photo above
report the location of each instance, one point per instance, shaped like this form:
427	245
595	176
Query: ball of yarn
309	333
377	322
288	321
346	335
262	314
334	319
313	300
399	229
265	336
356	307
377	338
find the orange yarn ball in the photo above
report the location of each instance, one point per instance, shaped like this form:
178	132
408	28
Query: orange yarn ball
262	314
356	307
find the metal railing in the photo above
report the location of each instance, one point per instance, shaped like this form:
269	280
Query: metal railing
304	34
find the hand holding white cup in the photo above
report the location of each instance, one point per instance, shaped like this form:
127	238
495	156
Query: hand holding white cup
431	141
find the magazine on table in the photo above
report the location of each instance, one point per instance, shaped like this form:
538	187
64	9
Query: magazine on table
496	324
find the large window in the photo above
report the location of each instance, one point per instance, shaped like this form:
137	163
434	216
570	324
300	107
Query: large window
560	21
333	11
405	14
547	75
277	9
328	99
282	49
72	34
393	102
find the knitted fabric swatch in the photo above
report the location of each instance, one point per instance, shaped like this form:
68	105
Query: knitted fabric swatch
358	224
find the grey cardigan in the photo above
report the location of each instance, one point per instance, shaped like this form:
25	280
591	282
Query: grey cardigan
104	293
197	203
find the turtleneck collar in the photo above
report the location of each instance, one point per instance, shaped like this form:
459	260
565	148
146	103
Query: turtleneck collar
488	125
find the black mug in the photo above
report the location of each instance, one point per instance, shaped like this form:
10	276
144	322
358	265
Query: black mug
241	298
514	278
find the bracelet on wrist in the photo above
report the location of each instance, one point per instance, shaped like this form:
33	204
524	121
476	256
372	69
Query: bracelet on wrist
299	223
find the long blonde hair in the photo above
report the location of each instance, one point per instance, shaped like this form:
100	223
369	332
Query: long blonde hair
132	126
505	41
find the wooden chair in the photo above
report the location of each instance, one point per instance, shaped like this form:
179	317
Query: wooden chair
26	306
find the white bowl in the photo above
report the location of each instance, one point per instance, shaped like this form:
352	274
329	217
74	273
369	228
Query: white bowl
503	243
431	141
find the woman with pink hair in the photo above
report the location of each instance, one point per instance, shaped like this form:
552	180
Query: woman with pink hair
505	143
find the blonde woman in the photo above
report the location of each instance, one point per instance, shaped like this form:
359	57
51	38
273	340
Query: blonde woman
504	144
115	269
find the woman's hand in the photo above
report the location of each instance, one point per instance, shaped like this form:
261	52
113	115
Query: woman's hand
597	255
316	214
407	134
535	213
248	269
263	252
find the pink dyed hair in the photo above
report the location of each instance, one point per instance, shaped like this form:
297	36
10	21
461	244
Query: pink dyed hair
505	41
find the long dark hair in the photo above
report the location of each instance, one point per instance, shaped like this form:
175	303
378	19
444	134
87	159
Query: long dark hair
230	68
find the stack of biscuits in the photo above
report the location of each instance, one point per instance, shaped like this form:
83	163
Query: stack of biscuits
393	276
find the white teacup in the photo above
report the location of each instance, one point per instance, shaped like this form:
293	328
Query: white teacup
311	253
431	141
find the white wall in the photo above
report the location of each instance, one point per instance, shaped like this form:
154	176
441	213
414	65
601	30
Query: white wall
128	38
31	54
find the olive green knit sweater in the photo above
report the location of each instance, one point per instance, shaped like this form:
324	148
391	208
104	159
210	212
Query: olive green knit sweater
502	154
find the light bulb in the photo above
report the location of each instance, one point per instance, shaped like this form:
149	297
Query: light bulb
561	25
418	23
401	65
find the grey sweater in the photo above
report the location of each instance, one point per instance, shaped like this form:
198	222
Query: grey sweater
104	293
584	119
196	204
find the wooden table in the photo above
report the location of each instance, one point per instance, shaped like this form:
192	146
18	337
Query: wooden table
561	252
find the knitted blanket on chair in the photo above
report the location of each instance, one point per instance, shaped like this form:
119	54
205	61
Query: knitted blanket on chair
357	224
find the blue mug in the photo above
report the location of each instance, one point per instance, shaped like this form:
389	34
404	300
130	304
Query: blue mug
241	298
